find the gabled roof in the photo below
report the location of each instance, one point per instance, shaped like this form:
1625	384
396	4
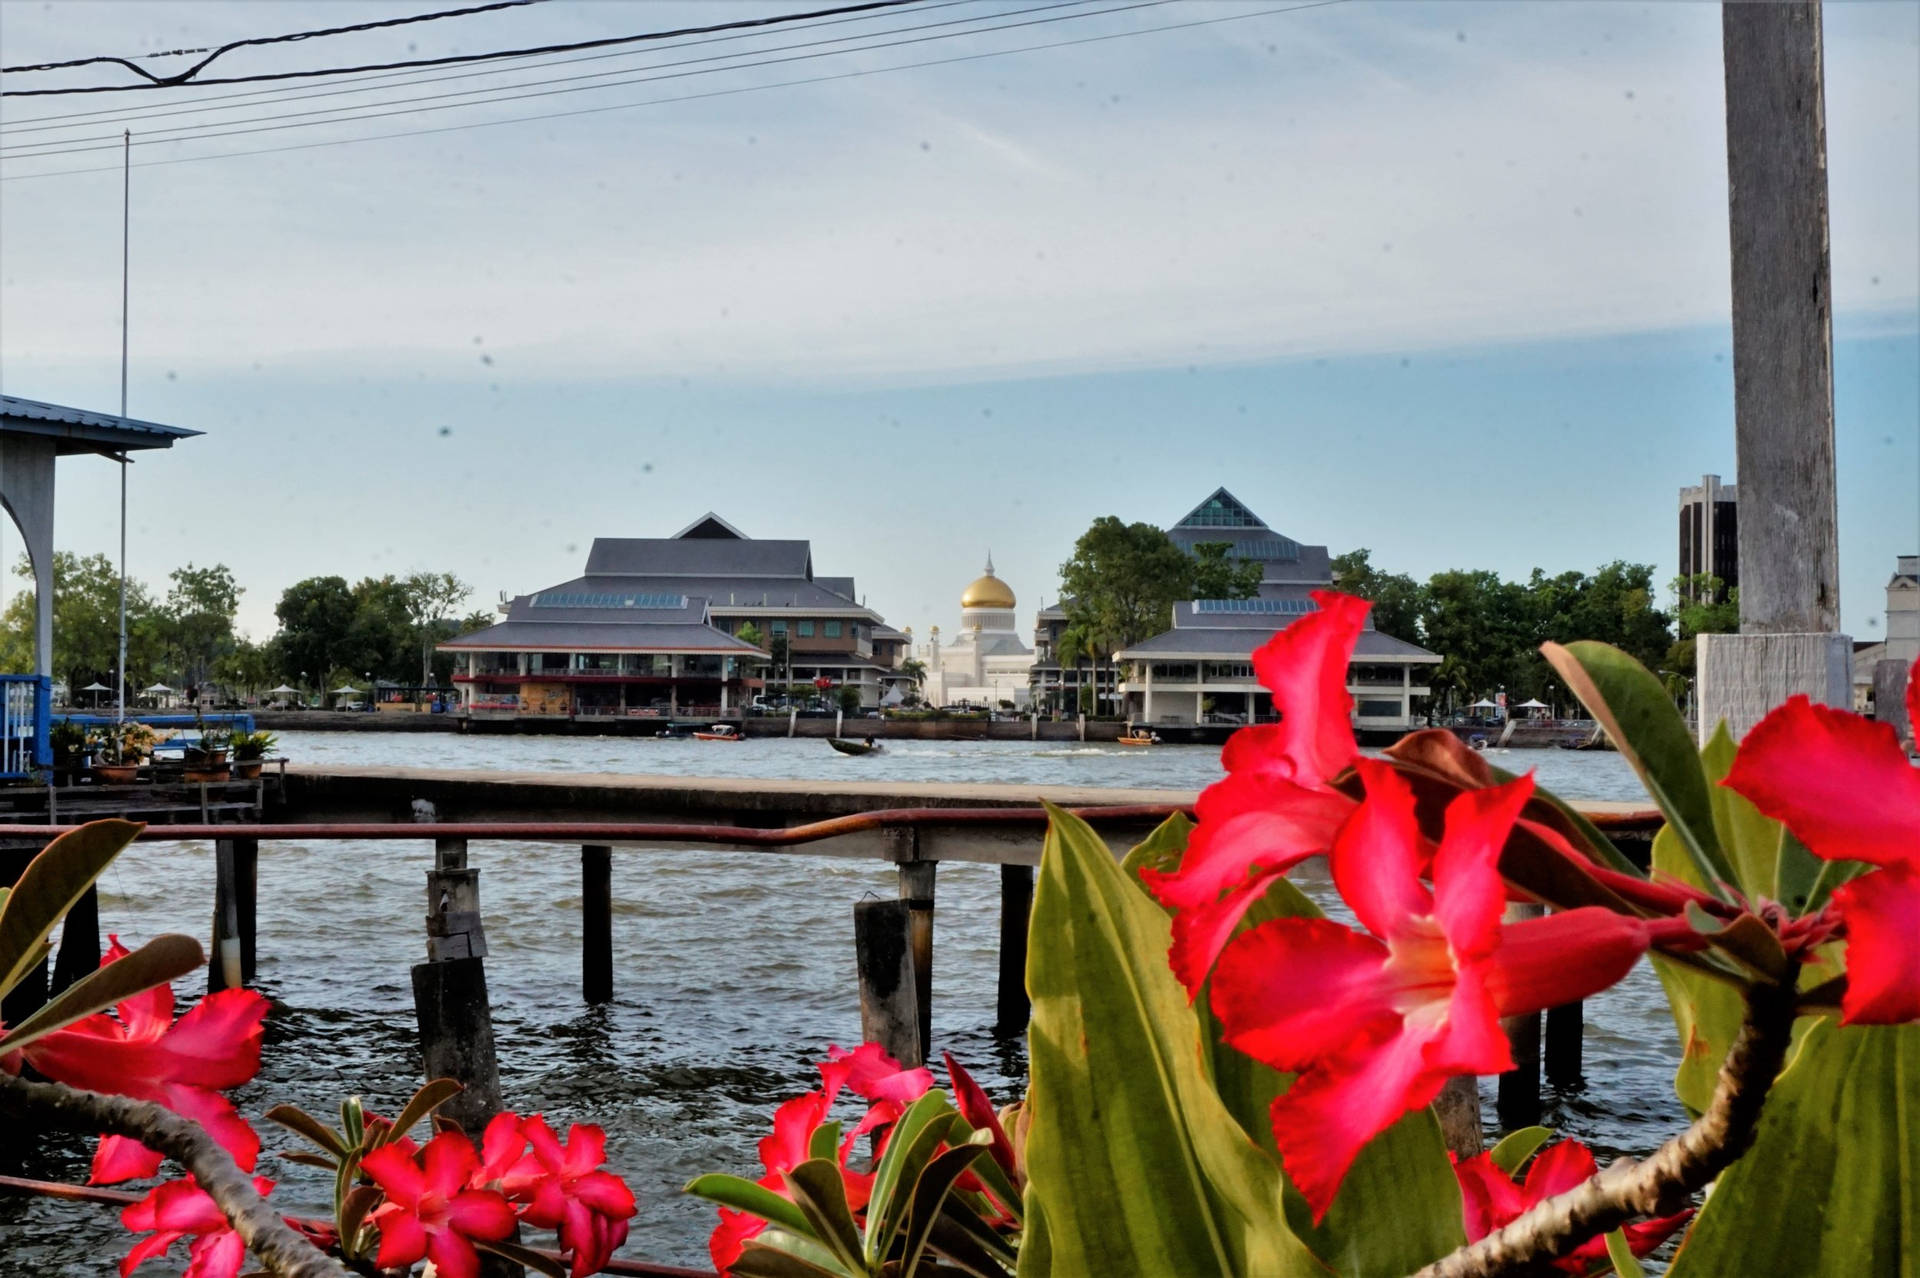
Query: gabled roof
1221	510
576	636
1239	643
711	526
699	557
81	431
842	586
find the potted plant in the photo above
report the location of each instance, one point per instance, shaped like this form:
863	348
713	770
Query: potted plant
117	752
249	749
67	742
207	757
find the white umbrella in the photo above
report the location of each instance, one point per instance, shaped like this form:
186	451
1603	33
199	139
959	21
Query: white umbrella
96	687
344	689
1486	703
158	688
1531	704
282	690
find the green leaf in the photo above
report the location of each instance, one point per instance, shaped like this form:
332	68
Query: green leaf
305	1159
1832	1183
1134	1165
155	963
1750	840
929	1195
436	1093
48	888
1517	1147
1624	1262
906	1153
820	1193
778	1254
300	1122
965	1241
825	1142
1162	850
1706	1012
755	1200
1643	721
526	1257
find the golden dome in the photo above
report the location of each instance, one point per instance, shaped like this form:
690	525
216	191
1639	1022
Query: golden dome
987	591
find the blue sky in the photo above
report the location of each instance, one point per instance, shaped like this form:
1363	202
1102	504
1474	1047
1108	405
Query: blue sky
1448	281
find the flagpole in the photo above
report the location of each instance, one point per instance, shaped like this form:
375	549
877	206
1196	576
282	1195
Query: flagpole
126	206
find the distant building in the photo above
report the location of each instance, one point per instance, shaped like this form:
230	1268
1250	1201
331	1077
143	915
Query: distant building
652	629
1710	532
1202	670
985	663
1902	642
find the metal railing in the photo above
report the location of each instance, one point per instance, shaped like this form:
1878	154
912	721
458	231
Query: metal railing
26	703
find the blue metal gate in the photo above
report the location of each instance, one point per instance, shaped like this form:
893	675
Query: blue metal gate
25	709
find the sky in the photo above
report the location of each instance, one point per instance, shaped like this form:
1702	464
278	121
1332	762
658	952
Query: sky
1447	281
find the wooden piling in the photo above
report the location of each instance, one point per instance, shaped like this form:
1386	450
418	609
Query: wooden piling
916	889
1518	1101
596	923
889	990
1458	1108
1566	1029
1016	909
456	1036
230	965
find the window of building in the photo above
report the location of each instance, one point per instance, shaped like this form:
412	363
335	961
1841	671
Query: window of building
778	627
831	629
1380	710
805	629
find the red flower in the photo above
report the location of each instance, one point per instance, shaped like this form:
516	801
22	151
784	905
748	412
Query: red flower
564	1188
430	1210
181	1209
1375	1022
147	1056
1492	1200
1844	787
1275	808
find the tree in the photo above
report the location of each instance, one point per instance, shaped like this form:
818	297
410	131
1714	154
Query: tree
315	617
477	620
198	619
245	667
1121	585
750	633
914	669
777	647
1215	574
849	699
428	597
1395	596
86	623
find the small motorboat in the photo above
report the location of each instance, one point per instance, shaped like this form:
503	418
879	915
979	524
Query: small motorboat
869	746
720	732
1138	739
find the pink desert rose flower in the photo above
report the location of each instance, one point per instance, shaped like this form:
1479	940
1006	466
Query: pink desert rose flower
431	1211
1375	1021
1492	1200
564	1188
1843	785
145	1054
181	1209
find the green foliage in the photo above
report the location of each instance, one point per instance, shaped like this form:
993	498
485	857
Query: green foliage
1832	1183
1703	605
750	633
48	888
252	745
1121	584
427	598
199	612
1395	596
850	700
1216	574
86	623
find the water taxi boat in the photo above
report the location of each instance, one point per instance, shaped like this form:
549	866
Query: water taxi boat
1135	739
854	747
720	732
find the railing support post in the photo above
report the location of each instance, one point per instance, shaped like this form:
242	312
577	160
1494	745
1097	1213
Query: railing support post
1566	1027
235	892
596	923
916	889
450	992
1012	1007
1518	1103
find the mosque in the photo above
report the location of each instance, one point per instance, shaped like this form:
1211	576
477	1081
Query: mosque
986	663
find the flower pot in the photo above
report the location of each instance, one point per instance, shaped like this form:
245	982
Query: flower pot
207	771
247	769
115	773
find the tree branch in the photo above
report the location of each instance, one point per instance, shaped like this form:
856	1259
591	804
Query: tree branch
276	1243
1664	1182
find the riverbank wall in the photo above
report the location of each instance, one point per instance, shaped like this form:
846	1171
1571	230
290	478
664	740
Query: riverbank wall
754	726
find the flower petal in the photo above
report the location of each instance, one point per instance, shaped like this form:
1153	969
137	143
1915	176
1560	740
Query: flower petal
448	1163
606	1194
118	1158
730	1237
1468	894
586	1148
1305	667
1839	782
1544	962
1469	1040
1558	1168
398	1176
452	1255
500	1147
215	1113
1882	914
793	1125
217	1043
146	1249
1379	854
147	1014
480	1213
402	1238
1249	823
1488	1196
216	1255
1292	992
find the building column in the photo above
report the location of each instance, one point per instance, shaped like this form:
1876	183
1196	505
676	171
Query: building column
723	689
1146	706
1406	696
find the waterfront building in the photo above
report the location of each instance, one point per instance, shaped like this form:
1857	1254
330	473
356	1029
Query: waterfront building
652	628
986	664
1201	671
1067	686
1902	641
1710	532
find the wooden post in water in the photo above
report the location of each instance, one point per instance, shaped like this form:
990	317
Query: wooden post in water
1566	1027
1458	1108
1518	1102
889	992
79	942
916	889
236	879
450	991
1012	1007
596	923
1782	375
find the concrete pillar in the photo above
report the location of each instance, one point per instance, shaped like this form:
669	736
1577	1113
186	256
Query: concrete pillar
1146	700
26	490
1890	697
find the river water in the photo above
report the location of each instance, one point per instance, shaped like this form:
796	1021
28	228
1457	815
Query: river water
734	971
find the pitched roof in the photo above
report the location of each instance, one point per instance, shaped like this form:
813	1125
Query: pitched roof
577	636
711	525
1221	510
1230	643
699	557
80	431
838	585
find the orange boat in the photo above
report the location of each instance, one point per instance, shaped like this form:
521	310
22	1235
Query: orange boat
1138	741
720	732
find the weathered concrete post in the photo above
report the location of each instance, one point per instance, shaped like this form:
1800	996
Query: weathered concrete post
889	992
916	889
236	886
1458	1108
596	923
1890	697
1782	376
1012	1007
450	994
1518	1099
1566	1030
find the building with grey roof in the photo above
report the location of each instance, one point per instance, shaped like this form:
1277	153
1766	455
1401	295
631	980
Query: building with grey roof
654	625
1201	671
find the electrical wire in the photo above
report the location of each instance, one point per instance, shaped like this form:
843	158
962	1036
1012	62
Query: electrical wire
373	83
690	97
366	110
184	76
451	59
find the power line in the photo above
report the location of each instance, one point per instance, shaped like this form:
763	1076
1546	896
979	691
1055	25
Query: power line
338	116
373	83
165	81
692	97
604	42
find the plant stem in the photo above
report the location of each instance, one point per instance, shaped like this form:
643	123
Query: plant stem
1662	1183
276	1243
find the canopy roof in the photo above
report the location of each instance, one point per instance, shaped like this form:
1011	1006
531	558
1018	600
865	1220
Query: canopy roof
80	431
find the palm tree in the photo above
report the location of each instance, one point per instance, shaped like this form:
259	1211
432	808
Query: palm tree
914	669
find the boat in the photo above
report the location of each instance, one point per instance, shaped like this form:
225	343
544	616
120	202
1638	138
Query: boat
720	732
854	747
1132	740
1598	741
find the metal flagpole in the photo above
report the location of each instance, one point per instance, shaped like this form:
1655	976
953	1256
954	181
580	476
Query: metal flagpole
126	205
